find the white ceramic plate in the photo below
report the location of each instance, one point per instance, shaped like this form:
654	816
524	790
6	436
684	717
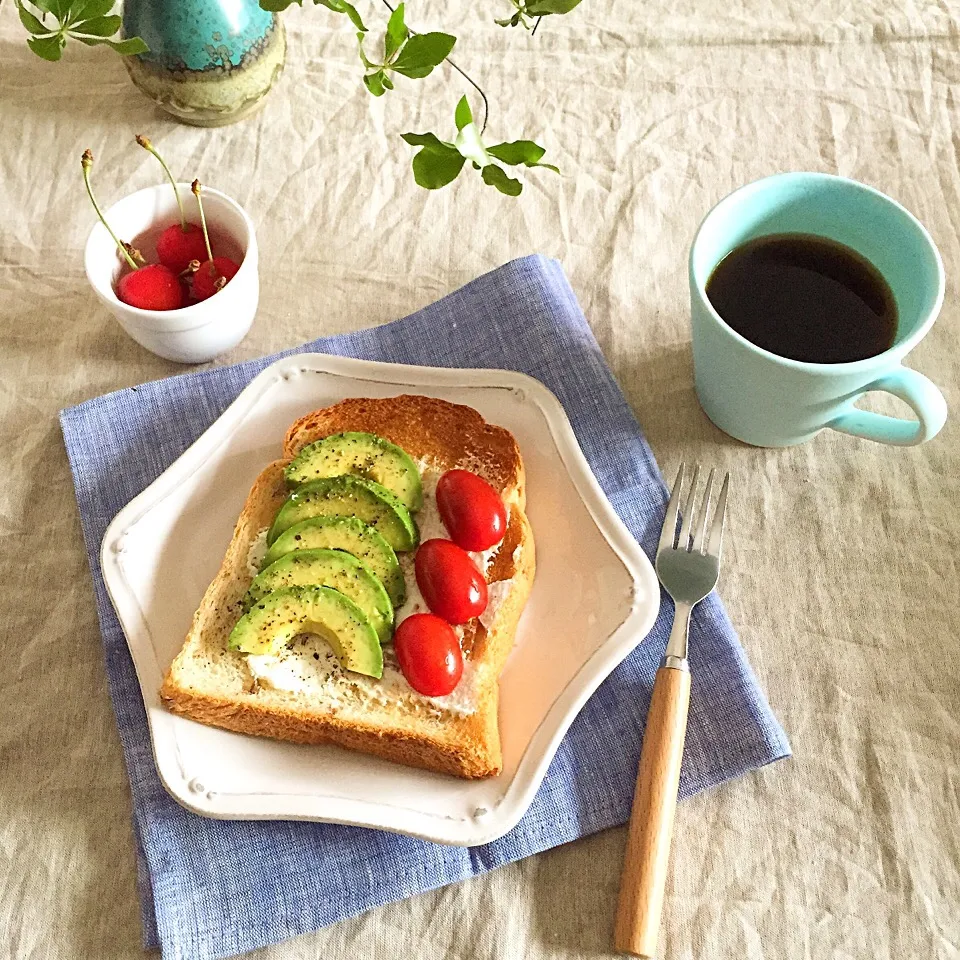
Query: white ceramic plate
595	597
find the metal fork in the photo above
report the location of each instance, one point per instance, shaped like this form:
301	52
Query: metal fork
688	567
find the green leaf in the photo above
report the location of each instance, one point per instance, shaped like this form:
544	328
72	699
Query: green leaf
388	83
546	166
101	27
429	140
351	11
277	6
42	5
31	22
541	8
435	168
91	10
524	152
374	83
59	8
396	32
463	114
420	54
496	177
369	64
341	6
412	73
125	48
507	21
50	48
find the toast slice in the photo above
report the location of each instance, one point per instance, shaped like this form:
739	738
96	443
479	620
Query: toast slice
311	699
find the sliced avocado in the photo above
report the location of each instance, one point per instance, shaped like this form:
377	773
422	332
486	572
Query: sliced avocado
363	455
328	568
279	616
351	535
349	496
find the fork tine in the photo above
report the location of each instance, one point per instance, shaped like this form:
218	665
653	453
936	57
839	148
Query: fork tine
687	524
697	545
716	532
668	533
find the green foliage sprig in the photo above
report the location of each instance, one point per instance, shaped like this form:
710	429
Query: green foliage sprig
409	54
527	10
438	162
88	21
415	55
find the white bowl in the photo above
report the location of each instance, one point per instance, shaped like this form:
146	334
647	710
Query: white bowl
202	330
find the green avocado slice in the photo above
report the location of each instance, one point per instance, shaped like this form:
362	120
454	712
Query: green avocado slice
351	535
364	455
279	616
351	497
328	568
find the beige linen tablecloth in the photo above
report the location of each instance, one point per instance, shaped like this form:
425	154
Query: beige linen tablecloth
841	573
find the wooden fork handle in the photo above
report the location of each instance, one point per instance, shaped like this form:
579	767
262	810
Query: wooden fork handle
651	820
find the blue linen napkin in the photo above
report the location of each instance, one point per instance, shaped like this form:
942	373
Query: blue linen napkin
212	888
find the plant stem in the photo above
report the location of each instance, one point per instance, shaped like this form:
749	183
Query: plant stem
537	24
87	162
195	187
466	76
148	146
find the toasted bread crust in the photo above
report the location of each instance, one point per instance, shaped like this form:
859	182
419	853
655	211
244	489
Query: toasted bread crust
463	745
449	433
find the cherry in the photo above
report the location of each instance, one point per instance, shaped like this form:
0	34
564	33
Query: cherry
149	287
213	276
178	245
152	287
214	272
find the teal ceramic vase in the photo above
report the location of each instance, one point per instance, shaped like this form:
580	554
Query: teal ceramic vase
211	62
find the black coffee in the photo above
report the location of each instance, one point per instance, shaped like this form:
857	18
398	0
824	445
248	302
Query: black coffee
806	298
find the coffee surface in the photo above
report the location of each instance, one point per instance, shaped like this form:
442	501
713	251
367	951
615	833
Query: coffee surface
806	298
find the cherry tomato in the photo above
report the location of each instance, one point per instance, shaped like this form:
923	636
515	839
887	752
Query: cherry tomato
428	651
471	510
450	582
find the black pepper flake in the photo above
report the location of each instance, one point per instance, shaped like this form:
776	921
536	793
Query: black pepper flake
316	656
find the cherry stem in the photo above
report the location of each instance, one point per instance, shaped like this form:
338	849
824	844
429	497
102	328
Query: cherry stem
195	187
149	147
87	162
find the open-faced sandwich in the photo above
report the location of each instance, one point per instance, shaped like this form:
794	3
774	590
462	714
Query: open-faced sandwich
371	591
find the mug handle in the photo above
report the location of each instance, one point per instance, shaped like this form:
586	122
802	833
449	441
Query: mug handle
911	387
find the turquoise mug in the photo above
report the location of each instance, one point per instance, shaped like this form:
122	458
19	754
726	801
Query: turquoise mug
771	401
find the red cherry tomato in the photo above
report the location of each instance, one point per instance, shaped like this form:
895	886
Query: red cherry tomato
428	651
450	582
471	510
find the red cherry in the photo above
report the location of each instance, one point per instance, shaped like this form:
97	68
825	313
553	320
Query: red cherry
176	247
429	655
450	582
471	510
153	287
205	279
